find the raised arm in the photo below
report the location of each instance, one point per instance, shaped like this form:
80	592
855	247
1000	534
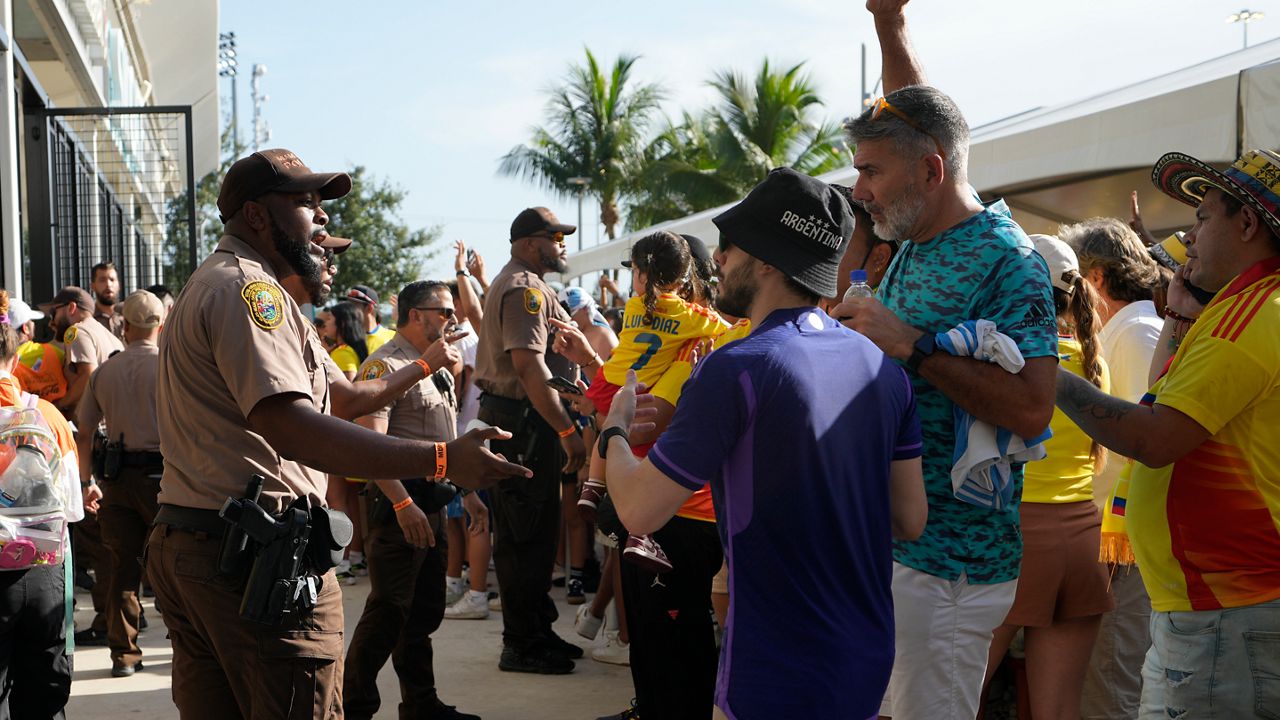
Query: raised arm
899	66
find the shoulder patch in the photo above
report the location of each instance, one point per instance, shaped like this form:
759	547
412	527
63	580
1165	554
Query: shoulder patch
70	335
266	304
533	301
374	369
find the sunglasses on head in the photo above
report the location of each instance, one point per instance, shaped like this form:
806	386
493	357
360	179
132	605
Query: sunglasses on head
882	106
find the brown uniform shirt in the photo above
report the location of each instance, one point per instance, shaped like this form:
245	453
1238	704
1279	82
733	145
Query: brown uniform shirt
112	321
422	413
123	390
517	311
233	339
88	342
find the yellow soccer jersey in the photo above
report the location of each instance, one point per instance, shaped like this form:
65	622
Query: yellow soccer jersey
651	349
344	356
1065	475
673	380
377	338
1206	528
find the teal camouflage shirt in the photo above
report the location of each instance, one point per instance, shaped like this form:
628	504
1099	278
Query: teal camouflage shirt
983	268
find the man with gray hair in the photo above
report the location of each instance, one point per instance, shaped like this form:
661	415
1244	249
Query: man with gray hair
965	261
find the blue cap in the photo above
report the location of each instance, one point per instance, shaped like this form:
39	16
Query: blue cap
858	276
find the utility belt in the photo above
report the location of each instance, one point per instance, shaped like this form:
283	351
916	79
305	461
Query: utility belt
109	458
282	557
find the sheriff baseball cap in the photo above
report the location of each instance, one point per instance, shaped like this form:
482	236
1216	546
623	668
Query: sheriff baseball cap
66	296
143	309
534	220
336	244
275	170
795	223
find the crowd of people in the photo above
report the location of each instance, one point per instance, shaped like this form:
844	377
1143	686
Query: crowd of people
770	497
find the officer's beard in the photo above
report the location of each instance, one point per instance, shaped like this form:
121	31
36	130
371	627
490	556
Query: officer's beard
737	291
297	255
552	262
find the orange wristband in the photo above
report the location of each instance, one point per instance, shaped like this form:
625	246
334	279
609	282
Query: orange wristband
442	463
567	432
402	504
426	369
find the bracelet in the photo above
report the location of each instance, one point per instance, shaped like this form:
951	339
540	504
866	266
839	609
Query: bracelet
426	369
442	463
462	273
402	504
1168	312
567	431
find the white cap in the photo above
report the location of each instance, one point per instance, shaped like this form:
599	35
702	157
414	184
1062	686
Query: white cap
1061	259
21	313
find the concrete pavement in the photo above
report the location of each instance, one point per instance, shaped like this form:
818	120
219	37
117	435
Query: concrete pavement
466	670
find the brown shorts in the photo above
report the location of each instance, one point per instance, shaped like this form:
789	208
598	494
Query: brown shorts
1061	578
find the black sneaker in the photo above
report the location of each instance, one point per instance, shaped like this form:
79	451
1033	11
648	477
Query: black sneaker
122	670
540	661
560	646
440	711
575	595
630	713
90	638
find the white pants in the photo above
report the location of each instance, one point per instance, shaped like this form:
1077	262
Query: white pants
943	634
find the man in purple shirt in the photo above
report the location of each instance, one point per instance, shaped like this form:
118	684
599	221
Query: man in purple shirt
809	437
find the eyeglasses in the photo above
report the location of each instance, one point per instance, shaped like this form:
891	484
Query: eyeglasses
556	237
446	313
881	106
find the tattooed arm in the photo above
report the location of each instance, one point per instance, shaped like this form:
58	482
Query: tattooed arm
1154	436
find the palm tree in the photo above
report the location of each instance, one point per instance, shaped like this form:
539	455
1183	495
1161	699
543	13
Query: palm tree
595	129
713	157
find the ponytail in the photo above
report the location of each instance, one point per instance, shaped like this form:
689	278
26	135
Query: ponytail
1082	311
665	260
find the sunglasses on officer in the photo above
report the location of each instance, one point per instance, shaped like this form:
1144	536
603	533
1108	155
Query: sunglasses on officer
556	237
882	106
445	312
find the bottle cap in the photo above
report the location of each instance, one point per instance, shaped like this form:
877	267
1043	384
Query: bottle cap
858	276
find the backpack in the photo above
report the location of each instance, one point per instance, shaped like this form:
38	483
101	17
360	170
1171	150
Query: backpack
34	494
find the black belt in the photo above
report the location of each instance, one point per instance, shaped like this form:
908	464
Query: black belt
191	520
503	405
142	458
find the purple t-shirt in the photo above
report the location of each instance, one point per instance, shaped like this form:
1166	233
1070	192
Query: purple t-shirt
795	427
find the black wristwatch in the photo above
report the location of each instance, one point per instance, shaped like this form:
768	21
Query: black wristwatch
462	273
922	349
608	433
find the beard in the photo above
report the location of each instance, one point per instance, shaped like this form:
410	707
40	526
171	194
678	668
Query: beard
737	292
297	255
899	216
552	262
108	297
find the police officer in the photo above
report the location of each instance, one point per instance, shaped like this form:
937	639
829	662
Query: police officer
87	345
105	283
123	391
405	550
245	388
513	364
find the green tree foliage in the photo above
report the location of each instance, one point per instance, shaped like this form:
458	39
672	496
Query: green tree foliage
208	225
716	156
596	129
385	255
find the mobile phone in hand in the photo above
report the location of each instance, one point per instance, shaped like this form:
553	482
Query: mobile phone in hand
564	386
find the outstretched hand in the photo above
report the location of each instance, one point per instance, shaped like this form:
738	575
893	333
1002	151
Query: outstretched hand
632	407
1135	221
571	343
886	8
473	466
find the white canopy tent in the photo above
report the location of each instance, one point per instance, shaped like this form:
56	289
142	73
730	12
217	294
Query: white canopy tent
1079	160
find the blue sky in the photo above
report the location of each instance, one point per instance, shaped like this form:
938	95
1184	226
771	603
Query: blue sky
429	94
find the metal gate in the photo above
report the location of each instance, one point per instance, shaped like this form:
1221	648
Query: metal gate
109	184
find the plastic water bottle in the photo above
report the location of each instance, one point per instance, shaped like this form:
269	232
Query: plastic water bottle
858	287
25	483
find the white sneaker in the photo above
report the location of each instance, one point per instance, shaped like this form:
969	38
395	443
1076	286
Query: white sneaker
471	606
586	624
614	652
